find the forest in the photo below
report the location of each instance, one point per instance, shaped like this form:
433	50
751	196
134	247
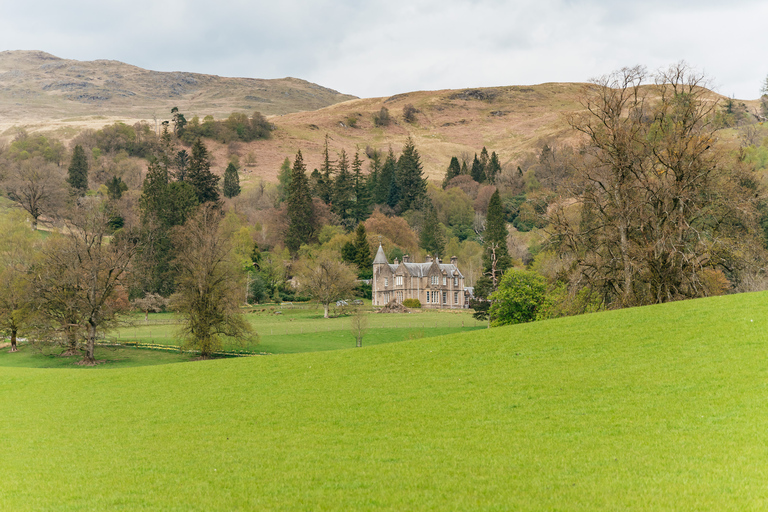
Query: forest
652	205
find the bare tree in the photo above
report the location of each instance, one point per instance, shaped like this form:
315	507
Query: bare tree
209	284
37	186
359	326
326	279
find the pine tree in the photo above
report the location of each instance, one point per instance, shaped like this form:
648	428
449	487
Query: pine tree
431	238
386	176
496	257
284	180
78	171
410	178
484	159
493	169
464	169
325	187
231	186
478	172
393	196
454	169
299	207
374	173
363	258
205	183
342	191
361	207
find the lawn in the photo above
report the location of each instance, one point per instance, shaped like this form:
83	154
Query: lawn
656	408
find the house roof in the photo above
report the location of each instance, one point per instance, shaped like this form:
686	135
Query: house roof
380	256
422	269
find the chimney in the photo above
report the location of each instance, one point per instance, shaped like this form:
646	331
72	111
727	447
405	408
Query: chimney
454	260
396	262
428	259
407	258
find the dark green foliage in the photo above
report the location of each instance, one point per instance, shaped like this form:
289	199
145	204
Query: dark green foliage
410	179
363	257
478	170
181	162
493	168
342	196
348	252
495	238
115	188
385	179
300	229
258	292
361	207
518	298
200	176
139	140
325	185
412	303
454	169
431	238
393	196
179	122
231	186
480	307
237	127
78	171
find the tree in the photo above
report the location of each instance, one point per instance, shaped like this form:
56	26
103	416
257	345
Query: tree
79	283
115	188
431	238
342	199
454	169
385	177
200	176
360	191
78	170
325	185
181	162
208	289
382	118
150	302
179	122
231	181
283	180
358	324
410	177
518	298
325	279
299	201
17	253
493	168
37	186
478	170
409	113
496	257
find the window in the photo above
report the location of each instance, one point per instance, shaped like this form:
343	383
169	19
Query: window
433	280
445	297
386	281
400	297
455	297
445	280
455	281
399	280
427	296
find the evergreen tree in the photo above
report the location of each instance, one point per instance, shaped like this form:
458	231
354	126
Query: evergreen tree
374	172
484	159
495	241
410	178
361	207
78	171
431	238
384	182
181	162
299	201
115	188
200	176
363	258
478	172
454	169
493	169
325	186
284	180
464	169
231	181
343	191
393	196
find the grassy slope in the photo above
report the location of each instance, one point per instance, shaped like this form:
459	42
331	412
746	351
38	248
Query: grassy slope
651	408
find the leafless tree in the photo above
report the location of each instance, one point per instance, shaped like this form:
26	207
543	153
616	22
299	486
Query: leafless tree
359	326
325	279
37	186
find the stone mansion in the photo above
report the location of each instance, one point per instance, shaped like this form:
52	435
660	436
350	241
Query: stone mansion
435	284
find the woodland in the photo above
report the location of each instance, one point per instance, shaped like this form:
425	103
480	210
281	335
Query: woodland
651	205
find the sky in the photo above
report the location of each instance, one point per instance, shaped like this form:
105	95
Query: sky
384	47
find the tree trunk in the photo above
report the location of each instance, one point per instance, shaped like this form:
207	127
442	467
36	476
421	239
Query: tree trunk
13	341
359	341
90	346
325	309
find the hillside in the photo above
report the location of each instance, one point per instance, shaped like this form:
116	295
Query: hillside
655	408
40	90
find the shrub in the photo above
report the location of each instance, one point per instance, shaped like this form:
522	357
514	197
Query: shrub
518	298
412	303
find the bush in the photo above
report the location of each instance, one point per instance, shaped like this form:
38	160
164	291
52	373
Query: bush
412	303
518	298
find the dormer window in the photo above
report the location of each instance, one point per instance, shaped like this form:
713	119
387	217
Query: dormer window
386	281
445	280
433	280
399	280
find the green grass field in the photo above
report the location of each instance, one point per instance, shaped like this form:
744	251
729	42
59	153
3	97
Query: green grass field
657	408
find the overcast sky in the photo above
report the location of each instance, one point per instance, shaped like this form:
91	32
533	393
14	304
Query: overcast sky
384	47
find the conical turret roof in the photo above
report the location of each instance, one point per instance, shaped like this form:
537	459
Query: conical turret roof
380	256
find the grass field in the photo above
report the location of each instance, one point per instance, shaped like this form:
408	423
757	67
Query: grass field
657	408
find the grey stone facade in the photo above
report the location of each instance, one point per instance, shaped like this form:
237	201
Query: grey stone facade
436	285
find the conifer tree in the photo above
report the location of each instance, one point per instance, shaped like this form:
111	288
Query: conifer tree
478	172
431	238
410	178
493	169
384	182
200	176
464	169
393	196
325	186
496	257
454	169
78	171
231	181
362	203
299	204
484	159
374	173
343	190
284	180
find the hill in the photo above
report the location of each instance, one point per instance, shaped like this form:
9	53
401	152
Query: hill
40	90
654	408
